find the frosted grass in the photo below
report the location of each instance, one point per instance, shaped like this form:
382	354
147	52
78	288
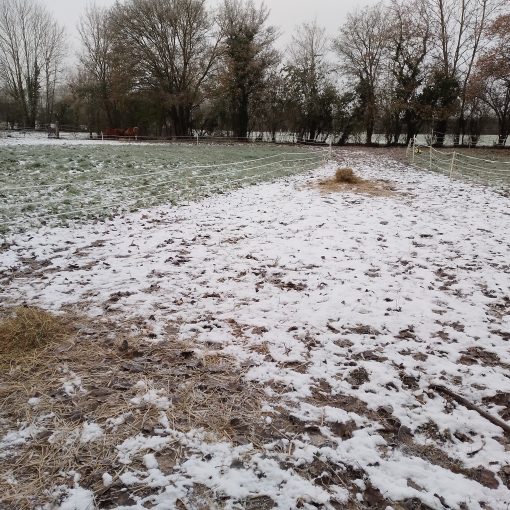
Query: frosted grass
492	172
54	185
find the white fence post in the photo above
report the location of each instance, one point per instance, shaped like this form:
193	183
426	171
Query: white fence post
330	147
197	137
414	148
430	165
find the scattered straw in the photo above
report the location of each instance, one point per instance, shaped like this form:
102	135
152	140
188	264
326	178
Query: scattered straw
126	389
106	378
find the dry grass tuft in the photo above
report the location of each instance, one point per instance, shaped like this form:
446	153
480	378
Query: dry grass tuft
346	175
28	329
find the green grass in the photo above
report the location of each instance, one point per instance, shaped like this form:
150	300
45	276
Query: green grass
39	185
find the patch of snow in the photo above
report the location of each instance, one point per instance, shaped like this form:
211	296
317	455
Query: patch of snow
107	479
15	438
132	446
151	396
76	498
115	423
71	383
91	432
150	461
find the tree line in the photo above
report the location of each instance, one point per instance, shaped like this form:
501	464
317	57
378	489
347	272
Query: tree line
180	67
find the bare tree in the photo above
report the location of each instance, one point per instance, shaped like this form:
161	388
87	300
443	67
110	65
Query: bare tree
460	28
171	46
53	58
308	80
309	47
98	57
492	76
269	110
30	49
408	45
361	46
247	54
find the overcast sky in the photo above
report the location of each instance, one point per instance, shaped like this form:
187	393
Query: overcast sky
285	14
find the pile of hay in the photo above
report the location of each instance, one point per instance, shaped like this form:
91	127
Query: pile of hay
345	180
346	175
28	329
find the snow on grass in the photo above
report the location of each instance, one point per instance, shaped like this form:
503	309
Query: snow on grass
91	432
234	472
486	167
71	382
44	184
76	498
345	308
148	395
15	438
13	138
107	479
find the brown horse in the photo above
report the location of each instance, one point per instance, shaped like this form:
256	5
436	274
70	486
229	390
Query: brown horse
132	132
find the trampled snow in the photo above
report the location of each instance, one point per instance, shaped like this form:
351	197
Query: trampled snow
361	299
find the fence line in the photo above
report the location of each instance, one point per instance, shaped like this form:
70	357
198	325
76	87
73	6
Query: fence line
281	138
231	177
225	174
456	164
158	172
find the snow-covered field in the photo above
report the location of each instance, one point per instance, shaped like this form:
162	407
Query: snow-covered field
343	309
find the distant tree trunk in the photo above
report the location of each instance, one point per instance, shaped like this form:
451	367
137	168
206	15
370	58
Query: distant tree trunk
460	130
412	128
503	128
370	119
312	132
440	132
344	138
397	130
241	114
370	134
181	120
